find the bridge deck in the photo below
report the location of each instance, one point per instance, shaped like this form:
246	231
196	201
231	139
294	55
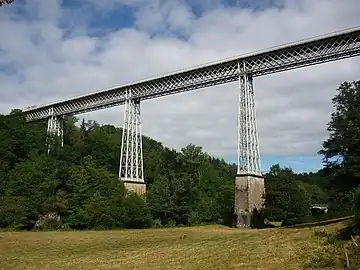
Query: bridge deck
331	47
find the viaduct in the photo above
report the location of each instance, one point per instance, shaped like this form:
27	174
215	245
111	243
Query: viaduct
249	182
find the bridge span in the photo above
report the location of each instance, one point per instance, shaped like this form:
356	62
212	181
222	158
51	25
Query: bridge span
249	182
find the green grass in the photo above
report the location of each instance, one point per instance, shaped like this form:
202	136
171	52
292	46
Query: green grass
208	247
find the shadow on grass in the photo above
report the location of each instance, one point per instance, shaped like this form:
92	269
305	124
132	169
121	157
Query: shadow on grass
319	223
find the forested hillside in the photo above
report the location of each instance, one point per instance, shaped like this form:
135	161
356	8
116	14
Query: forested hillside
79	182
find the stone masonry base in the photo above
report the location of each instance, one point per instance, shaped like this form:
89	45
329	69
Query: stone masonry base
138	187
249	190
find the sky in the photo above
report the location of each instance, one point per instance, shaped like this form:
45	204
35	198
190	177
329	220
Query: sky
53	50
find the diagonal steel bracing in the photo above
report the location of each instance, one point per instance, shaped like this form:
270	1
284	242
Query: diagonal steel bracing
55	130
248	145
131	157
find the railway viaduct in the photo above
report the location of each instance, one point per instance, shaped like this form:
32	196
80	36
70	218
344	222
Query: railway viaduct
249	182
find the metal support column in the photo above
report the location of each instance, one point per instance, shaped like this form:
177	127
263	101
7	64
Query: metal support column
248	142
54	130
249	183
131	169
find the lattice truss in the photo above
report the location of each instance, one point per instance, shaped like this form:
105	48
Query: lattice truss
301	54
55	130
3	2
131	157
248	146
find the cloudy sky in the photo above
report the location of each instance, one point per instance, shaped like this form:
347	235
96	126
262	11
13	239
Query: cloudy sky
52	50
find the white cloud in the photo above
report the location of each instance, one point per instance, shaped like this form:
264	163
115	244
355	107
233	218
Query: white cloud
292	107
156	16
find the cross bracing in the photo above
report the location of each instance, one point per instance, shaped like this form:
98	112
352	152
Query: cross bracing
314	51
131	157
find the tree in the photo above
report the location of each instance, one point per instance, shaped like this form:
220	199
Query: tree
137	213
284	199
342	149
316	194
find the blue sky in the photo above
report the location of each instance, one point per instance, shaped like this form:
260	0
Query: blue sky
52	50
309	163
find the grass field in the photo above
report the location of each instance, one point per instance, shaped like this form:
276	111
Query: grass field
208	247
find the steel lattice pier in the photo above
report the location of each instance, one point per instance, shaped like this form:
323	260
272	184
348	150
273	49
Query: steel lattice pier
131	156
248	146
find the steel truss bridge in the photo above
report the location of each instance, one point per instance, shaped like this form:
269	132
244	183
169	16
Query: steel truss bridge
330	47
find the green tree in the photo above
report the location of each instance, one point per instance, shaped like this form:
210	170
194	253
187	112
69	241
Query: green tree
284	198
342	149
137	212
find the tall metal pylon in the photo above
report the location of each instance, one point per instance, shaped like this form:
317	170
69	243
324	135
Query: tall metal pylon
131	158
248	141
55	129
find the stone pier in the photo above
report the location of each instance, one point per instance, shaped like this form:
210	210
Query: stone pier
249	190
134	186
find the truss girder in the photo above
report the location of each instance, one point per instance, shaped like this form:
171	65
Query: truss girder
131	156
301	54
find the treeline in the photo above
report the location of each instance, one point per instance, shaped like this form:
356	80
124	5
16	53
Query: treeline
77	186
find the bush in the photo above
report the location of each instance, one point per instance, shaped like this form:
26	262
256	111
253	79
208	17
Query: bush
355	197
329	254
48	221
326	256
157	223
171	223
137	213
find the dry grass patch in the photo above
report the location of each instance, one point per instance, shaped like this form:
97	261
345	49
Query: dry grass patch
210	247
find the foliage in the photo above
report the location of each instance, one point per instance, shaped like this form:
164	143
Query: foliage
342	149
80	183
354	196
137	213
284	197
